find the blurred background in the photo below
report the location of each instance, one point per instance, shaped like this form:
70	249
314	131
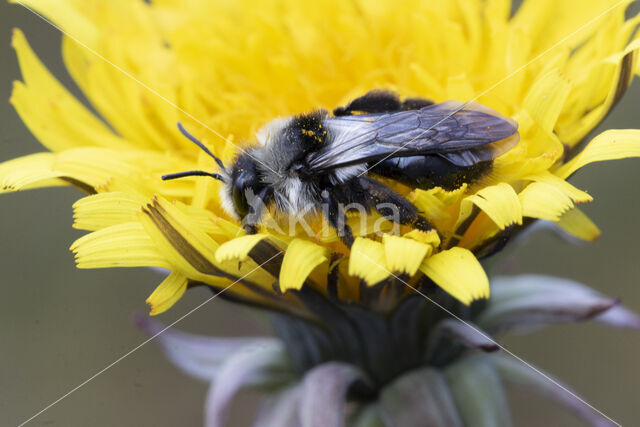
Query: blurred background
60	325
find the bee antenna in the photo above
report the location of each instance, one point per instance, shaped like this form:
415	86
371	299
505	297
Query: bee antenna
193	173
199	144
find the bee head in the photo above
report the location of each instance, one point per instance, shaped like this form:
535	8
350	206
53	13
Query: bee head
244	184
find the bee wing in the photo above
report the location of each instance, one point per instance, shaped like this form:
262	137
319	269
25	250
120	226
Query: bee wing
464	134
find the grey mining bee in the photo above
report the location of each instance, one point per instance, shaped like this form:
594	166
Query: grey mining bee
318	159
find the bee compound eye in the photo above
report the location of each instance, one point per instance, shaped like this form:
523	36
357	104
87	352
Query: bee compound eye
240	201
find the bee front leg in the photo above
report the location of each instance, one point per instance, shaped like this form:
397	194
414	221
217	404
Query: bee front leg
257	206
337	218
250	229
393	206
251	220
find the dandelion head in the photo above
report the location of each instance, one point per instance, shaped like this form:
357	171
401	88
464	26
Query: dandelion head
229	72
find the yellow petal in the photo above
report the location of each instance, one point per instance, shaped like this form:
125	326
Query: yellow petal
631	47
550	21
435	204
546	98
574	193
459	88
86	167
179	239
431	238
544	201
167	293
367	261
433	208
609	145
500	202
404	255
300	259
138	113
458	272
67	16
606	84
122	245
576	223
30	171
51	113
361	225
191	252
113	85
105	209
238	248
218	228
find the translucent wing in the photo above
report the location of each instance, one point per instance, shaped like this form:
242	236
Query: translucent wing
464	134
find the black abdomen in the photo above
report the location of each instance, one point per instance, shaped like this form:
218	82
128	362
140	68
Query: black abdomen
426	172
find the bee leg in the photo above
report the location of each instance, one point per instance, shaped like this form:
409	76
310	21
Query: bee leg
250	223
257	205
337	218
392	205
380	101
250	229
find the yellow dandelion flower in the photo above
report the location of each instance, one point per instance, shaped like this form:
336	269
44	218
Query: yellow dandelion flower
225	69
